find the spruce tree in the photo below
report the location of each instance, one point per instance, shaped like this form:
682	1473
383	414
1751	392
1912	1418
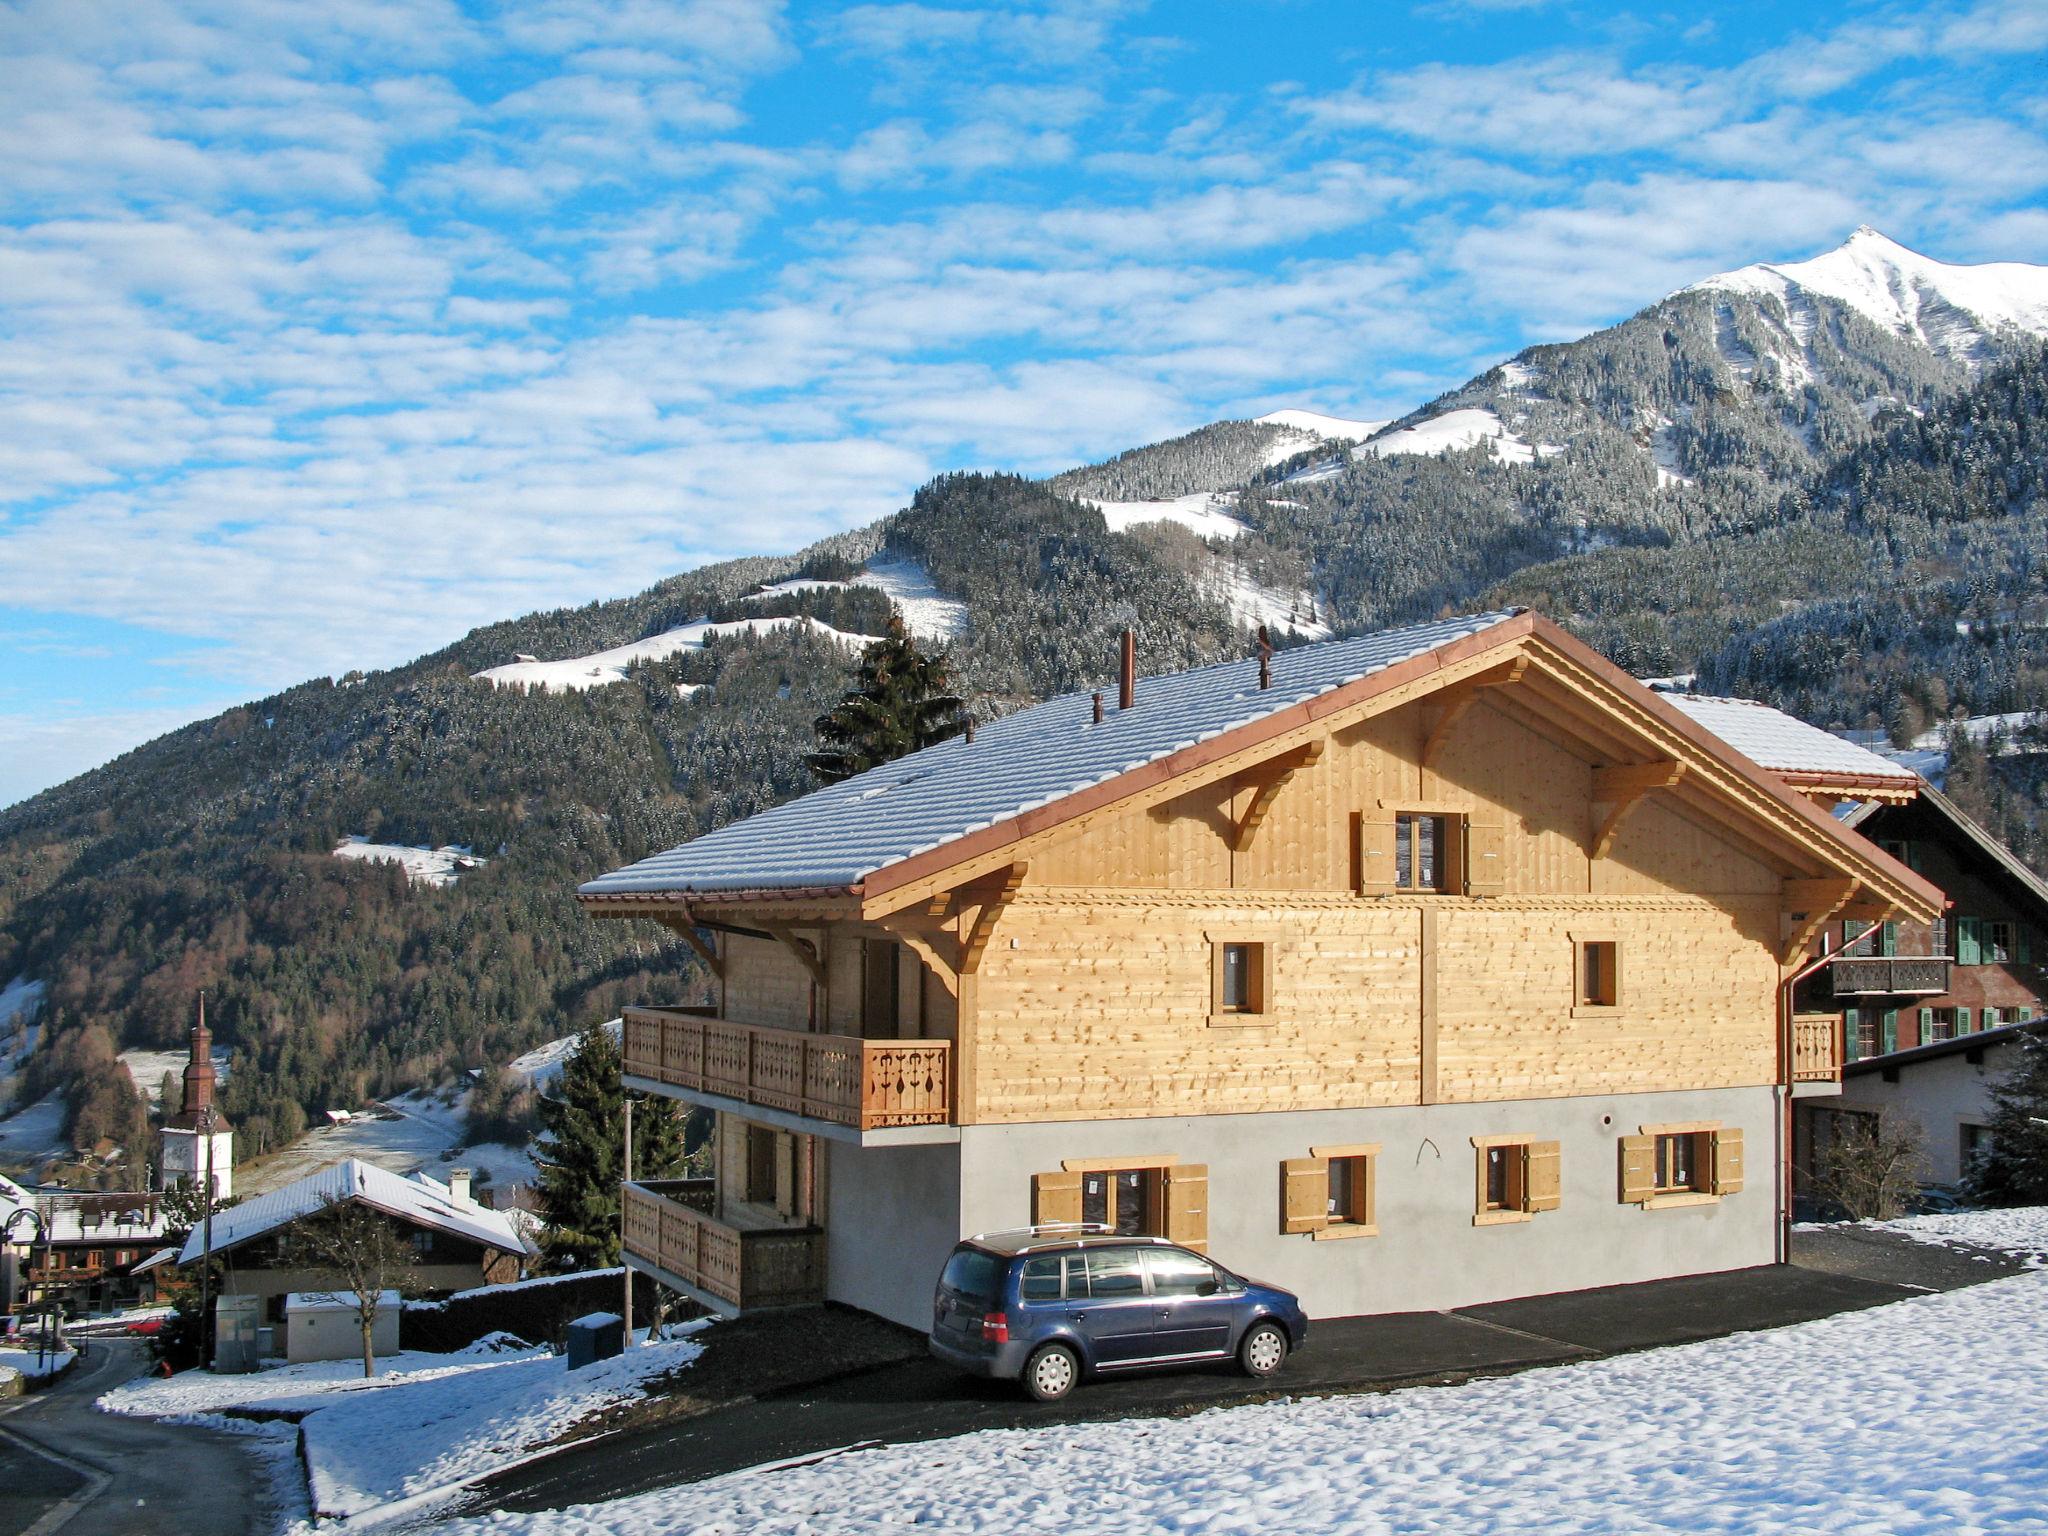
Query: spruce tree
904	701
2014	1169
583	1121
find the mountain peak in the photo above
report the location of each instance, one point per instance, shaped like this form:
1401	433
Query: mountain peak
1948	308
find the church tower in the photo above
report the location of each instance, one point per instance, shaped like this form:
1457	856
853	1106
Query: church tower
182	1144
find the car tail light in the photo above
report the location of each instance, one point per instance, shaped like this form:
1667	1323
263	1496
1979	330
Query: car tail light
995	1327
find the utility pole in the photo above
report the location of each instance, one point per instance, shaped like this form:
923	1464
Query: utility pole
626	1339
206	1261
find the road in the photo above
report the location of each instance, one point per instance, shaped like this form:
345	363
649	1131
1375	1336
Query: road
922	1400
65	1466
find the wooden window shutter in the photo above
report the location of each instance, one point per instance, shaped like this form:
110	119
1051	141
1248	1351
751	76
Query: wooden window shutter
1486	871
1055	1197
1304	1194
1727	1162
1888	1032
1969	942
1926	1025
1543	1182
1638	1168
1373	851
1187	1205
1966	1020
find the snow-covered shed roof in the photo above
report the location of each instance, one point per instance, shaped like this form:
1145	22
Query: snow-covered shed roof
425	1202
334	1301
839	835
1789	746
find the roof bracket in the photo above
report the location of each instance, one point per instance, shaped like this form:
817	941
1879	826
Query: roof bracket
1267	780
1810	904
1455	700
686	929
806	952
1619	790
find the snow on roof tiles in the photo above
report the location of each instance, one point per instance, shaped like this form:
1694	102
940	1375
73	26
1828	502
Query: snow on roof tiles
419	1199
1782	743
838	835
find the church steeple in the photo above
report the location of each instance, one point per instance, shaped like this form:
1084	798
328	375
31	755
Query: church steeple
199	1079
198	1139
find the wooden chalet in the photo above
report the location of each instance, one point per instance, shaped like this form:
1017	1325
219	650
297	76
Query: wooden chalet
1409	971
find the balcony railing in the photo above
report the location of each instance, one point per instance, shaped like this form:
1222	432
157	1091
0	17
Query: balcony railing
1816	1048
866	1084
1890	976
670	1225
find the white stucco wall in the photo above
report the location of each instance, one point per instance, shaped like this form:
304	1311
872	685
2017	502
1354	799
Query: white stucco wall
1942	1094
892	1214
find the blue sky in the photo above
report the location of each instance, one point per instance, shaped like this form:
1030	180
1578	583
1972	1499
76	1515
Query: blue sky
330	330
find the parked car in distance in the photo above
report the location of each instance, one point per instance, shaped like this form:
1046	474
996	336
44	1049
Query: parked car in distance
1046	1305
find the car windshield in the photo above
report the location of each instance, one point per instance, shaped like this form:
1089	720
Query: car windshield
972	1272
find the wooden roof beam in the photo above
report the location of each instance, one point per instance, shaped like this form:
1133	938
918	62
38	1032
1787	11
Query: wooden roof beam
1555	721
1454	701
806	952
927	947
981	904
1267	781
1619	790
1810	904
686	928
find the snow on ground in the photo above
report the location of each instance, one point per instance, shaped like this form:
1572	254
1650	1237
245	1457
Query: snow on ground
927	613
20	1001
1944	307
401	1144
543	1064
1206	513
35	1133
1316	424
1664	455
148	1069
1455	430
423	866
1252	605
2023	1230
429	1422
582	1276
31	1366
1977	728
1901	1419
603	668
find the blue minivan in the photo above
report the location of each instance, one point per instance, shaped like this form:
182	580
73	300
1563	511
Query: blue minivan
1046	1305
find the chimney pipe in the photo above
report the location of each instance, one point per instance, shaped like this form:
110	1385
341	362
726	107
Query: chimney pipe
1265	660
1127	686
970	730
458	1185
1098	706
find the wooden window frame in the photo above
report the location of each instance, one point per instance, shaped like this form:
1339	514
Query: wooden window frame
1310	1176
1262	942
1581	940
1525	1201
1717	1147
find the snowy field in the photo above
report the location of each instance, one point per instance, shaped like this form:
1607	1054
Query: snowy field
20	1001
543	1064
422	866
1979	728
1316	425
926	612
148	1069
1905	1420
1204	513
34	1133
425	1423
28	1365
1454	431
2023	1230
603	668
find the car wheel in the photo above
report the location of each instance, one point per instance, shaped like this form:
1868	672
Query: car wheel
1051	1372
1263	1350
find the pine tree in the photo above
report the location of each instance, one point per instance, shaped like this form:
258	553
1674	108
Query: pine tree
583	1125
2014	1169
904	701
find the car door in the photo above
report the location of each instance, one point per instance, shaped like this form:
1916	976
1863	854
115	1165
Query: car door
1116	1317
1192	1304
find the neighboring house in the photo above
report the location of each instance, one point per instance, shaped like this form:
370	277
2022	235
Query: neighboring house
1444	967
457	1243
328	1325
98	1240
1943	1086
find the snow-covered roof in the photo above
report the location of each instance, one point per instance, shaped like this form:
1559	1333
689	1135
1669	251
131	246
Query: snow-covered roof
1783	744
844	832
419	1199
334	1301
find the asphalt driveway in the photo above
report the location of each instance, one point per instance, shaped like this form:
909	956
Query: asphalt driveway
918	1399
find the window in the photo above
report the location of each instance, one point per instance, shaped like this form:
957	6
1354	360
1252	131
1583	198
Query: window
1114	1272
879	961
422	1243
1125	1200
1042	1278
1517	1176
1333	1192
760	1164
1998	946
1599	978
1937	1024
1680	1164
1240	978
1180	1274
1976	1145
1131	1195
1906	853
1420	846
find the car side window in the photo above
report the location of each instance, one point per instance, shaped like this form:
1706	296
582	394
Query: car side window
1180	1274
1041	1280
1114	1273
1077	1277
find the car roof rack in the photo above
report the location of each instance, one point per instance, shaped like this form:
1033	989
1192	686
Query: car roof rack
1049	1228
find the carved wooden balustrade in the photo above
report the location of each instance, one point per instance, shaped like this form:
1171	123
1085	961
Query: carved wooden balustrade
670	1225
1816	1048
843	1079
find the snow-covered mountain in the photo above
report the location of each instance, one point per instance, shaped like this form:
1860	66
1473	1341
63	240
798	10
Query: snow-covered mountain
1953	310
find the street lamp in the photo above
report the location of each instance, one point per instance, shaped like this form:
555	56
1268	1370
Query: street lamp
42	1230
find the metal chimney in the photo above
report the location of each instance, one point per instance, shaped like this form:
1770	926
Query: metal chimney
1127	686
1265	660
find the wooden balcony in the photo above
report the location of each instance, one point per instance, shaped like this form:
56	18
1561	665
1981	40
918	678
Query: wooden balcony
1890	975
841	1080
671	1226
1816	1048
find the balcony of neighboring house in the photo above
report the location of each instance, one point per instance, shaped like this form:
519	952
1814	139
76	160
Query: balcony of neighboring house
728	1257
1816	1054
876	1092
1870	964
